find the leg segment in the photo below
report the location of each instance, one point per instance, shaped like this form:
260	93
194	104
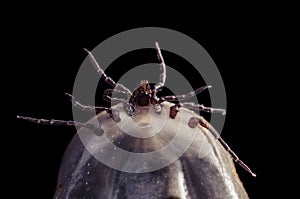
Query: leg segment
108	80
200	107
185	96
110	91
174	109
62	122
77	104
162	77
113	113
113	99
213	131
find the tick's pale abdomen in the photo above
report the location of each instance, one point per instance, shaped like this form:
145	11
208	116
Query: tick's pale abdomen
205	170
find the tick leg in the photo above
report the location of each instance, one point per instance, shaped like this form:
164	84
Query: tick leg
107	79
113	113
77	104
162	76
184	96
110	91
214	132
127	106
93	127
200	107
114	100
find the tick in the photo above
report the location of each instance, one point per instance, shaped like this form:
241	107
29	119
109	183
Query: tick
142	122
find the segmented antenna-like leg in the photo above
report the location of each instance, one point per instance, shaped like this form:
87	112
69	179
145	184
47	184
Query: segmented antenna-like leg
114	114
207	125
190	105
200	107
162	76
110	91
184	96
108	80
61	122
77	104
107	98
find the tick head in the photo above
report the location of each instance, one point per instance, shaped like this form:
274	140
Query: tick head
142	95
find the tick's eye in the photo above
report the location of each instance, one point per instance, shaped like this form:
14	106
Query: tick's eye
142	99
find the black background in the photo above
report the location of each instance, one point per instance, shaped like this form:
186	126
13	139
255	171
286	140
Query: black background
47	53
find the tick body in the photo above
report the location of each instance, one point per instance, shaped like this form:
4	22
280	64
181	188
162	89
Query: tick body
211	176
146	147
